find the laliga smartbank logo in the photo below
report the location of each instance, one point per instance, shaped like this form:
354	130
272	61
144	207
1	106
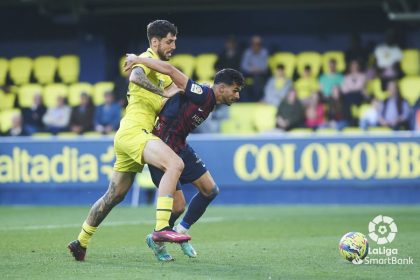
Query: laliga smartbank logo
383	230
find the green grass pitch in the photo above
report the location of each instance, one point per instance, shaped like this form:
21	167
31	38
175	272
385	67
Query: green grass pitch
241	242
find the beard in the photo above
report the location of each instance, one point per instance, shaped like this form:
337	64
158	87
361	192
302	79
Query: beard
162	55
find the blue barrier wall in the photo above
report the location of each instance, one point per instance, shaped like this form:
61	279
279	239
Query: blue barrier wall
260	169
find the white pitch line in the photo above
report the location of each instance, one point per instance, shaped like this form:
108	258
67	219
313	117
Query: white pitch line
112	224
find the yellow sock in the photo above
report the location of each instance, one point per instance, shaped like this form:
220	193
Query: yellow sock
163	211
86	234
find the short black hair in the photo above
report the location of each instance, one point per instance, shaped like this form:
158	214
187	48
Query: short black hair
160	28
229	77
280	66
307	67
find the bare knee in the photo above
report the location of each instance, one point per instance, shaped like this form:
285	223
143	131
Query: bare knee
211	193
176	164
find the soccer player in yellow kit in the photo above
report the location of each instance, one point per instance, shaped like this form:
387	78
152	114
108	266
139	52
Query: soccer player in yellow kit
135	145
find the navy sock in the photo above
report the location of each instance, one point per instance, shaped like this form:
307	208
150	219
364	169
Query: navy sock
196	209
173	218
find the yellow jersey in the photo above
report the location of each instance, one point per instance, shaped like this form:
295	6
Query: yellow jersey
143	105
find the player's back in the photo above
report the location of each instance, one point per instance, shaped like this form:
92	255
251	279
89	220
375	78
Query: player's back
143	105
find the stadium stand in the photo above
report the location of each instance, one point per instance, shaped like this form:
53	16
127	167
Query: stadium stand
45	68
21	69
287	59
69	68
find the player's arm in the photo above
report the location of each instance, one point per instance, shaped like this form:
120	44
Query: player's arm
179	78
138	77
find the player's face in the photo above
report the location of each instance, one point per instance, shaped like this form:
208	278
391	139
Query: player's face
166	47
230	94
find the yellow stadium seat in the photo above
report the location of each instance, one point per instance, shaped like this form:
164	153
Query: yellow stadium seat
204	66
353	130
42	134
301	131
69	68
312	59
236	127
75	90
375	87
184	62
51	92
67	134
45	68
20	69
326	130
380	129
410	89
92	134
410	62
7	100
6	119
339	58
99	90
285	58
241	119
265	117
4	67
26	94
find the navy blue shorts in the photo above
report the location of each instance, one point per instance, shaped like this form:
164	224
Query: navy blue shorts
194	168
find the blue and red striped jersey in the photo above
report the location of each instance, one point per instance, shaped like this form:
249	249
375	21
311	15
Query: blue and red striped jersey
182	113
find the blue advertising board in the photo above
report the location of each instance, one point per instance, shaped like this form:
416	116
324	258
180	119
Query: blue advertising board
257	162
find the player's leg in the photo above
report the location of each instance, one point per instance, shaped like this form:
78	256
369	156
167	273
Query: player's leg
158	154
118	187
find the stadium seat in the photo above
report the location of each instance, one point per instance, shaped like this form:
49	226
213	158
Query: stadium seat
264	117
339	58
374	87
204	66
410	62
26	94
7	100
4	67
326	130
75	90
51	92
42	135
305	87
312	59
301	131
379	129
353	130
235	127
99	90
92	134
410	88
67	134
20	69
184	62
45	68
241	119
285	58
6	119
69	68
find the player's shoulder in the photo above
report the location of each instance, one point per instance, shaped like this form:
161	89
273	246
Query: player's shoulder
197	88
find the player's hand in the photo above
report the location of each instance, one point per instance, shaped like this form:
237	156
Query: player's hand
130	60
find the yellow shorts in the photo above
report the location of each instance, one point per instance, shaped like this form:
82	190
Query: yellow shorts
129	144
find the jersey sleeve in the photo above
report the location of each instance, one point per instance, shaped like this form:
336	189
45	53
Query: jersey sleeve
195	92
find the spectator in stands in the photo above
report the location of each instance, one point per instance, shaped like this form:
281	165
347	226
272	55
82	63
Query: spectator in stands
230	57
329	80
290	113
353	87
395	111
107	116
371	116
415	116
356	51
388	57
277	87
306	85
337	118
17	128
254	65
315	111
57	119
32	117
81	119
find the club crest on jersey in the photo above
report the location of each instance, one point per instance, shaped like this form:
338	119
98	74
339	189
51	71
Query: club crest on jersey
196	89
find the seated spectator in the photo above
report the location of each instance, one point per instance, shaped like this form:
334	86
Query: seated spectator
415	116
277	87
230	57
388	56
353	87
329	80
17	128
254	65
336	116
32	117
57	119
371	116
81	119
395	111
306	85
315	111
108	115
290	113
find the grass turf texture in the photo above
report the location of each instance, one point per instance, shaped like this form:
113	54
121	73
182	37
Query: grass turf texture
244	242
